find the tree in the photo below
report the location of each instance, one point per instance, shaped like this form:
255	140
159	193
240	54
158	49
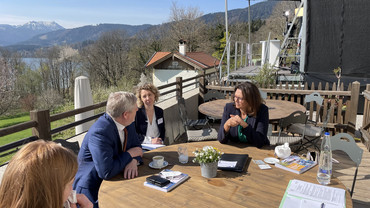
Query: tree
186	24
7	88
106	61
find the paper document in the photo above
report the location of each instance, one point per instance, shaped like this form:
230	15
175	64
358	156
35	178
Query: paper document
311	195
227	164
151	146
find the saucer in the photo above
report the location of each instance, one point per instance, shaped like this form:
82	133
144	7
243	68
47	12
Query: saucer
165	163
271	160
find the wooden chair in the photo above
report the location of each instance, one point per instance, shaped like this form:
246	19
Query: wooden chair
349	146
284	135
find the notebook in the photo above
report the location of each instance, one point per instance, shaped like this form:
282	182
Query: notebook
234	162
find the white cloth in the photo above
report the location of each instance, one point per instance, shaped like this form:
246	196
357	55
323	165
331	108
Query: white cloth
152	130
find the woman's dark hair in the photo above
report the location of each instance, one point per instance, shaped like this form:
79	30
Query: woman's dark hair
251	95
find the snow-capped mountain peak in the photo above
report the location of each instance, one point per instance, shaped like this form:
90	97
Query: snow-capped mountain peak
41	26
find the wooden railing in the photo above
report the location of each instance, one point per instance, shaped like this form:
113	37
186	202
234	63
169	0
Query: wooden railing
41	119
342	118
365	129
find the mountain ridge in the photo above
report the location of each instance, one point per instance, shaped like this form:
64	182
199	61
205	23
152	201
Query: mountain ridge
63	36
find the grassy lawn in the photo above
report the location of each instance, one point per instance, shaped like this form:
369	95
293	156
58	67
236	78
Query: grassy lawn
24	117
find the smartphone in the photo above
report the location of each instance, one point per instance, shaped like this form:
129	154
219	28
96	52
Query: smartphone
157	180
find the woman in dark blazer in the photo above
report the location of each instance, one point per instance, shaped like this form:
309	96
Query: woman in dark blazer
149	121
246	119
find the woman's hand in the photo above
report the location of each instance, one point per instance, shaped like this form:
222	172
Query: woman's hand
233	121
83	201
157	141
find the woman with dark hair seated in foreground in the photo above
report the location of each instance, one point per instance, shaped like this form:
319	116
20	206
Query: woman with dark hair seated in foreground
246	119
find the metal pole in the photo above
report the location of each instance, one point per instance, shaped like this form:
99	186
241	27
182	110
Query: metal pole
227	41
249	27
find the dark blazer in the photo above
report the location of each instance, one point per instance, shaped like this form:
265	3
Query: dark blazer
101	156
141	122
256	131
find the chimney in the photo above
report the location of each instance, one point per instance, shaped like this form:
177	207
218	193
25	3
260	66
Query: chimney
182	47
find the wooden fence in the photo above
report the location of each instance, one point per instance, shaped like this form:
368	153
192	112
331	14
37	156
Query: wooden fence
41	119
365	129
342	118
347	100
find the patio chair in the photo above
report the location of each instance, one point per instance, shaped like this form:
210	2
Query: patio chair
190	123
206	133
263	94
349	146
74	146
284	135
213	95
312	132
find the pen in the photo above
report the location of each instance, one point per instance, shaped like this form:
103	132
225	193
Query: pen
322	205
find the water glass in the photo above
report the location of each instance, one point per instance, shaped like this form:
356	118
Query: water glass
183	154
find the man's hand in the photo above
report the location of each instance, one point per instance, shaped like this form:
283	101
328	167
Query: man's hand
131	170
135	152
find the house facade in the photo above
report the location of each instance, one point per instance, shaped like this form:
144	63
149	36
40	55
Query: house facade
167	66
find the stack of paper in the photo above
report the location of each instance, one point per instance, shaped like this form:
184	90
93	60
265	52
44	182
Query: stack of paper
301	194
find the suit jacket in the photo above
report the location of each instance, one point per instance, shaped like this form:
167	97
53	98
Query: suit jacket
101	155
141	122
256	131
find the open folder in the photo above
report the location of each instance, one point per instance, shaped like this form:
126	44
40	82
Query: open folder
234	162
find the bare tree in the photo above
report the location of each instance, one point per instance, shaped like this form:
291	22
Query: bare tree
68	63
106	61
186	24
7	89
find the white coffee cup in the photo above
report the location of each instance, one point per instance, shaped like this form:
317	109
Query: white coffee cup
158	161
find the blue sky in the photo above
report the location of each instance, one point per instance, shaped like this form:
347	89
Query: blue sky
76	13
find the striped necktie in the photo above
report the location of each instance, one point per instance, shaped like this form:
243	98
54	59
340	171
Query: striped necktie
126	137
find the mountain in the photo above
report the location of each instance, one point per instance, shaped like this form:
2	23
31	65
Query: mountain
80	34
11	34
260	10
61	36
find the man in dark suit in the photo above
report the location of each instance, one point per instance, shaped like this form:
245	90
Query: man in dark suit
110	146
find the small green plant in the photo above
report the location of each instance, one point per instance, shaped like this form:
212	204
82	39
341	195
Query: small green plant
208	154
266	75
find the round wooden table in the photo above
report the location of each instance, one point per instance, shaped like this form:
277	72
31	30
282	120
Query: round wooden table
252	188
277	108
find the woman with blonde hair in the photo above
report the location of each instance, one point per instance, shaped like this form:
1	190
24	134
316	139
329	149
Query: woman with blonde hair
149	119
40	175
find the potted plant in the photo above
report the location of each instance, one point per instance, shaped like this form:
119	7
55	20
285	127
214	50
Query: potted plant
208	158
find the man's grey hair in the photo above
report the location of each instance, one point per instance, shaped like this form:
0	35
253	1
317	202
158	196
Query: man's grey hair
120	102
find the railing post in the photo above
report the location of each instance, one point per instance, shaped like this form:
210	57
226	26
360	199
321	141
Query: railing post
202	84
42	129
178	87
355	93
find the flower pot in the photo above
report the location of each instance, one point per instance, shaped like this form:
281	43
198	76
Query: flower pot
209	170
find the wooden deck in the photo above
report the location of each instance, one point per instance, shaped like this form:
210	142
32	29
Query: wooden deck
345	171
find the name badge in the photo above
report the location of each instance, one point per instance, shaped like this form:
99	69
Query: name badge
160	120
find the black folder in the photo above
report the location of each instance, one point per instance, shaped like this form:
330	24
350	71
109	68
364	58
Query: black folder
242	162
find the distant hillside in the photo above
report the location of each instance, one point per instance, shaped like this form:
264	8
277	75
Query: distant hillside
260	10
80	34
10	34
62	36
